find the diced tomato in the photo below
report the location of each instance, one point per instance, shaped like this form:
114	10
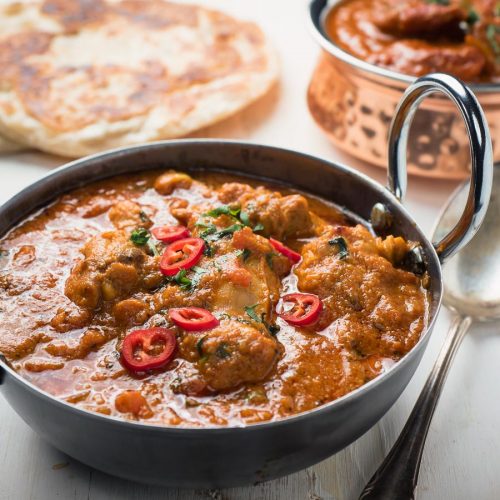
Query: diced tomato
169	234
193	318
144	350
182	254
305	308
287	252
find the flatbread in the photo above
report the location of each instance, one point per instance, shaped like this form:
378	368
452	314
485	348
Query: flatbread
80	76
8	146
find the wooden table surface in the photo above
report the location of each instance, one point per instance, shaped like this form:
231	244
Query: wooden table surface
461	458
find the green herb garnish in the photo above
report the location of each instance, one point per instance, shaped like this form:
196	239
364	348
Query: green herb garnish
269	259
227	231
224	210
250	310
341	245
273	329
143	216
472	17
246	254
244	217
141	237
222	351
241	216
199	345
182	280
439	2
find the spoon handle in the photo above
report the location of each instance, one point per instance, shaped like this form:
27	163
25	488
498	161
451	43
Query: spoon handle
397	476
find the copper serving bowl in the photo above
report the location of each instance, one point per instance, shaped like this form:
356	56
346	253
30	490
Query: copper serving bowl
354	102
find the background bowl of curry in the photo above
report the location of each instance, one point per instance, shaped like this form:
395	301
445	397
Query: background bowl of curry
235	455
354	101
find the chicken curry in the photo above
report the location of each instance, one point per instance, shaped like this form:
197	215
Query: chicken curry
203	300
416	37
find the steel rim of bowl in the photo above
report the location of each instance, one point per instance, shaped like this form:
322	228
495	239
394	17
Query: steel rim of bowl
317	10
324	409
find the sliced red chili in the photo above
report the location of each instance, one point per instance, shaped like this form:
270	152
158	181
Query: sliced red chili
144	350
182	254
193	318
287	252
305	308
169	234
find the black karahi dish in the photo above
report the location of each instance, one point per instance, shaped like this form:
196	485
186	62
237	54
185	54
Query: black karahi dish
230	456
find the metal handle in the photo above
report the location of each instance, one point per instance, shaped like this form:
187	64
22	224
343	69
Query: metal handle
480	148
397	477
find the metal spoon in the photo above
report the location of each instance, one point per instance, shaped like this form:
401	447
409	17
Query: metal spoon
472	291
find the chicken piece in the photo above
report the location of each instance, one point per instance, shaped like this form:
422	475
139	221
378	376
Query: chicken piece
168	182
231	354
362	284
259	246
245	280
112	267
128	215
131	312
419	18
281	216
231	192
414	57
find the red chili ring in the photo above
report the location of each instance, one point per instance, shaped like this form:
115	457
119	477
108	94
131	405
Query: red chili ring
182	254
287	252
193	318
139	349
305	311
169	234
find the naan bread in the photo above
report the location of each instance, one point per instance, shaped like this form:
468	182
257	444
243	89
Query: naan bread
8	146
80	76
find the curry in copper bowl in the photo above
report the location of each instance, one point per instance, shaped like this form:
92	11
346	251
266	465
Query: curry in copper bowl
372	51
205	300
416	37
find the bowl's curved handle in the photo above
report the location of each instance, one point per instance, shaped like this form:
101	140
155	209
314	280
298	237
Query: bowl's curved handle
480	147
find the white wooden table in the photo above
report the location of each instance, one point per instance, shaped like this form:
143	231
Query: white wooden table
462	457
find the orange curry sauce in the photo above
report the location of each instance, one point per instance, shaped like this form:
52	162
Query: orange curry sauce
416	37
73	285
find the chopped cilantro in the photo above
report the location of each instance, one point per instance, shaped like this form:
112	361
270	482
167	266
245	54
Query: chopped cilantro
273	329
250	310
244	218
258	227
141	237
472	17
269	259
224	210
246	254
182	280
199	345
144	217
222	351
341	244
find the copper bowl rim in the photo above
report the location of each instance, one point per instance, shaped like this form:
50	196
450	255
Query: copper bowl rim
319	9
